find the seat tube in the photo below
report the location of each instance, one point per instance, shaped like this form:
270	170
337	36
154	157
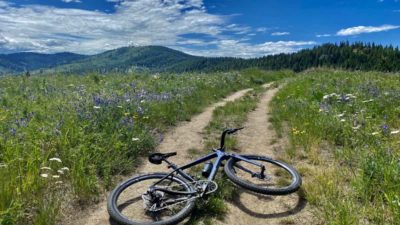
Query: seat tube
217	164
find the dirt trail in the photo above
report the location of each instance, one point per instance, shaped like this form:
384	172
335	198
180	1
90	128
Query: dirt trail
254	209
185	136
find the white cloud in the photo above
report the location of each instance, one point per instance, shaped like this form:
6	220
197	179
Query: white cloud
68	1
323	35
237	48
142	22
280	33
261	29
365	29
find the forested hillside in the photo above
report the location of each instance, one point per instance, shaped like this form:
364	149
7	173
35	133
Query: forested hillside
356	56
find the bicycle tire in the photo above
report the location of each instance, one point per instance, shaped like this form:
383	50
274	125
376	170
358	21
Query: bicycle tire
295	177
116	215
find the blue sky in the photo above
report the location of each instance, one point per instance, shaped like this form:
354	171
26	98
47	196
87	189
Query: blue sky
240	28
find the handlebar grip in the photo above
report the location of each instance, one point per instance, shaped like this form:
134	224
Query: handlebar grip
231	131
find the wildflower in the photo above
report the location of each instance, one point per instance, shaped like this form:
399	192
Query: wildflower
59	182
375	133
351	96
56	159
356	127
60	171
44	175
119	106
143	101
145	117
340	115
395	132
56	176
126	114
342	120
45	168
135	139
3	165
65	169
369	100
96	107
385	128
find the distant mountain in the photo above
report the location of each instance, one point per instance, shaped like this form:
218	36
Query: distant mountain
155	58
356	56
28	61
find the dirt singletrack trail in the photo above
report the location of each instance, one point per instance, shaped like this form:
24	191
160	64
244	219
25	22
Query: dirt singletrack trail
254	209
185	136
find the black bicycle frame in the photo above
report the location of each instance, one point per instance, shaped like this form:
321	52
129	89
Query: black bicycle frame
220	154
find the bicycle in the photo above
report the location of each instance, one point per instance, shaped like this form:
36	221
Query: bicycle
168	198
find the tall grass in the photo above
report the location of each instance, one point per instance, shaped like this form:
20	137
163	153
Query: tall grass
345	126
63	138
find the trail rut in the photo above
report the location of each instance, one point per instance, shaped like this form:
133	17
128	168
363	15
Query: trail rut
185	136
249	208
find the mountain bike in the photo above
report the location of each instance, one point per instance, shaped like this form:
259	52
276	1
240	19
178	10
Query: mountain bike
168	198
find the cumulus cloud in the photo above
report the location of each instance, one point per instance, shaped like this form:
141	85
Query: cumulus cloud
280	33
49	29
365	29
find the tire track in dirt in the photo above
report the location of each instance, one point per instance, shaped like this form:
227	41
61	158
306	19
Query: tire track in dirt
185	136
249	208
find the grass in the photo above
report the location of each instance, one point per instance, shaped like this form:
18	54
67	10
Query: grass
343	129
231	115
64	138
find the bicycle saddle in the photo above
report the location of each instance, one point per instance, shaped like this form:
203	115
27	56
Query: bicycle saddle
157	158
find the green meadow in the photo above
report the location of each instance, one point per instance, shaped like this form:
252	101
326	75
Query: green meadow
64	138
344	132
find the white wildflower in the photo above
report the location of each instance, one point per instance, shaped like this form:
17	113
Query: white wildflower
96	107
395	132
375	133
342	120
128	100
65	169
357	127
351	96
59	182
135	139
340	115
143	101
369	100
60	171
120	106
329	96
44	175
3	165
45	168
56	176
56	159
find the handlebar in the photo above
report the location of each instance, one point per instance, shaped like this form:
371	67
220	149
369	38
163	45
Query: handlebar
225	132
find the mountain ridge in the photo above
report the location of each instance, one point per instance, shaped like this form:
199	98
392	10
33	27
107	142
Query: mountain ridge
356	56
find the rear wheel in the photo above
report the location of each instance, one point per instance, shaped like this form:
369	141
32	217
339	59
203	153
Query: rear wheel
130	204
278	179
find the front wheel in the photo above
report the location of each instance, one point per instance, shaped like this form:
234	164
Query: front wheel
131	204
278	178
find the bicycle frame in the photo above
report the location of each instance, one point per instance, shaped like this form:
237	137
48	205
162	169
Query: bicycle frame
220	156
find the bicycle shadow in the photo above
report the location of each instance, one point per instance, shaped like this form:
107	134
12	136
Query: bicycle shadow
286	210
